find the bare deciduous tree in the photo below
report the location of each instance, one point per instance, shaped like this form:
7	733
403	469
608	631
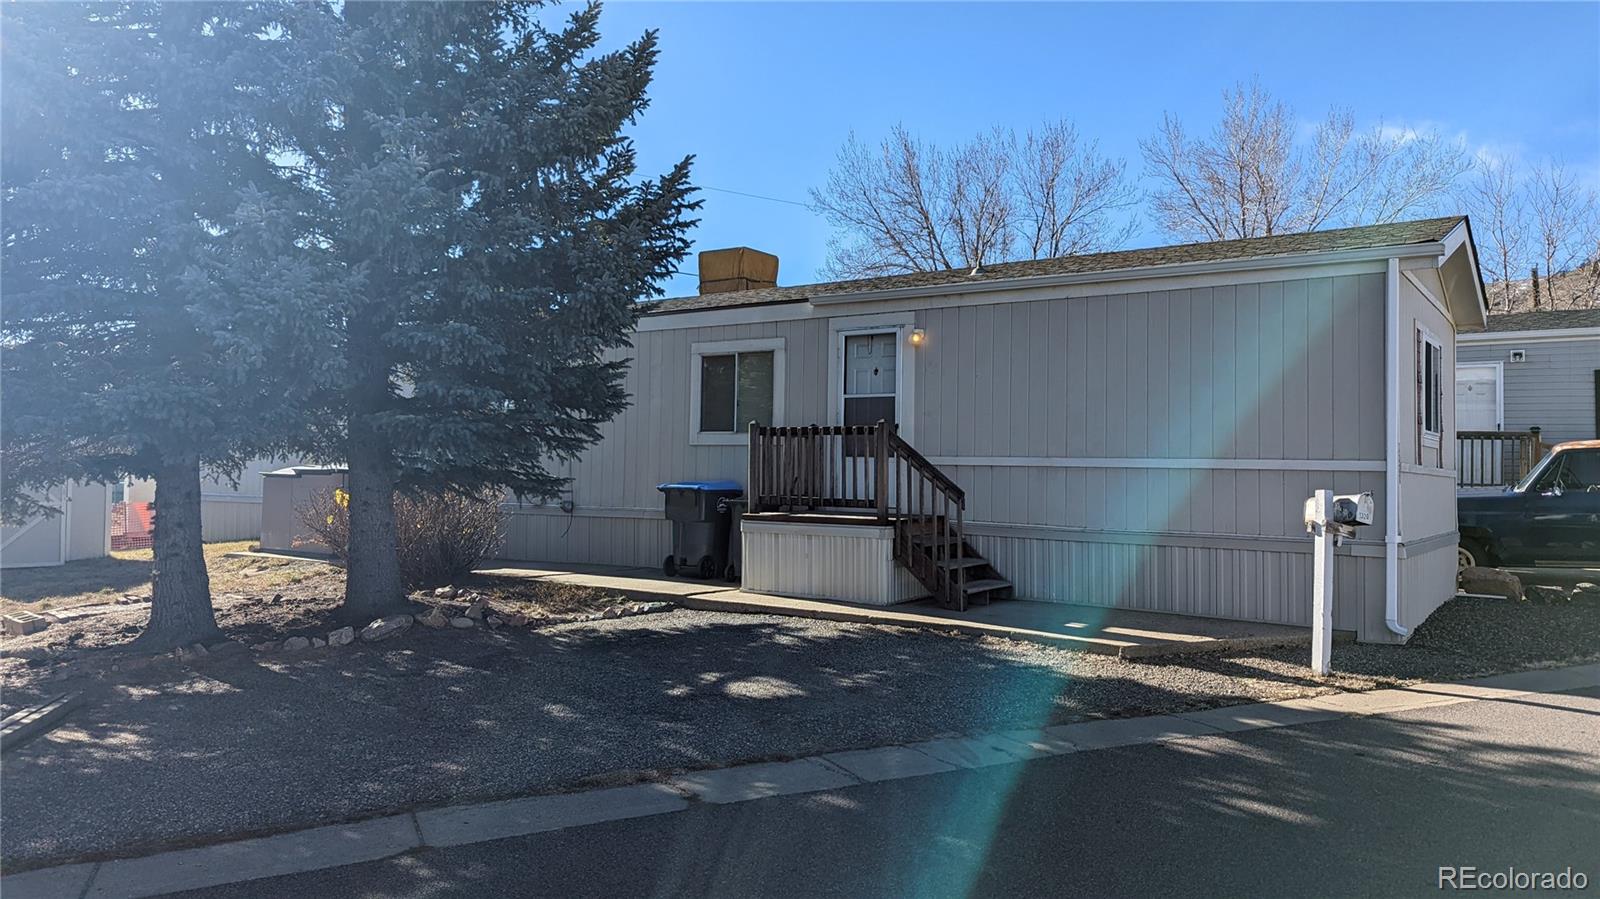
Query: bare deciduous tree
1251	178
1566	220
1069	196
1544	223
908	206
1495	202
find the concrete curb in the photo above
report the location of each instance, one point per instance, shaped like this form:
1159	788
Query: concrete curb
377	838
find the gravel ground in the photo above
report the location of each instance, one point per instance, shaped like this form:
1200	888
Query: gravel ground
171	754
255	600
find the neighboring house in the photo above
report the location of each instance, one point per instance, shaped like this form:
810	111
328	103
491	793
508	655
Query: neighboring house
1532	370
80	531
229	509
1136	429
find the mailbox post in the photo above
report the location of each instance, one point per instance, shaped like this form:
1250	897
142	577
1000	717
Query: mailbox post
1329	519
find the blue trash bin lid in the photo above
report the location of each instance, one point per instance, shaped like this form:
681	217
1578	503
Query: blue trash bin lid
702	486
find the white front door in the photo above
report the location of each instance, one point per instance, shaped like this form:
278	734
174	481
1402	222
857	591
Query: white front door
871	378
1478	396
869	392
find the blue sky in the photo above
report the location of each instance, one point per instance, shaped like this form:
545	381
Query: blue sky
764	93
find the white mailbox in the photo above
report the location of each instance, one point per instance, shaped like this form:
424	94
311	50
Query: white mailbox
1330	519
1342	514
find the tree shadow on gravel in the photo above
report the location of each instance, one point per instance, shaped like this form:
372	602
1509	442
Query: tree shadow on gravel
252	743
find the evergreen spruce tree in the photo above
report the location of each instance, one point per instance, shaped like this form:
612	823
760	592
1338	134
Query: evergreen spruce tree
478	200
136	174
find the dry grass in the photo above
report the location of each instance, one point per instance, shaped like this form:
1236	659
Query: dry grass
98	581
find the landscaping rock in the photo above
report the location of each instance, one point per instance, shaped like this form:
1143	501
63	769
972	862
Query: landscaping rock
261	647
344	636
435	619
445	593
1586	590
129	599
384	628
463	622
475	610
613	612
1545	593
1490	582
516	619
295	644
225	647
494	621
318	642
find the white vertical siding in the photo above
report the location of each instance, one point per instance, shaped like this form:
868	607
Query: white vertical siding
852	563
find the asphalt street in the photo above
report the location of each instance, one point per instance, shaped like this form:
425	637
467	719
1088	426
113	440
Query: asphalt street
1354	807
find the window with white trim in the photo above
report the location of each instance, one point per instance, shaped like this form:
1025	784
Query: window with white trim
1430	387
734	382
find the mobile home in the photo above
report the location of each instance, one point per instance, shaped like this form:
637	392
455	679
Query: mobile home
1135	429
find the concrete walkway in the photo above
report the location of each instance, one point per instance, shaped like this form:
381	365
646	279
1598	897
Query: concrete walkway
336	846
1121	632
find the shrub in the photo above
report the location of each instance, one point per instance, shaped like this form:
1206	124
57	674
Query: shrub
441	535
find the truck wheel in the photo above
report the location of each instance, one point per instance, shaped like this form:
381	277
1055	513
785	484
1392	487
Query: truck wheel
670	566
731	572
708	567
1472	553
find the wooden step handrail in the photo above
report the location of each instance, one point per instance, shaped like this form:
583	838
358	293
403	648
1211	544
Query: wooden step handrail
868	467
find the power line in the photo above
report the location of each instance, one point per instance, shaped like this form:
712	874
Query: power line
723	190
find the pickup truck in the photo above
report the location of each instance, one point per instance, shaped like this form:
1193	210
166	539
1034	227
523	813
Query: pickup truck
1552	515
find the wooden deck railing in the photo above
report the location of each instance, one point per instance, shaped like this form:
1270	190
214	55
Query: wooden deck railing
1496	458
819	468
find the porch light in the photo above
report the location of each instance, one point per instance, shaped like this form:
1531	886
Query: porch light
918	336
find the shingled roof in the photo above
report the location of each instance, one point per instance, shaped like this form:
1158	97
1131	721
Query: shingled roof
1545	320
1391	235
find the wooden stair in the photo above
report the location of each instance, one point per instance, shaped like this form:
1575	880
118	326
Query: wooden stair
871	467
942	560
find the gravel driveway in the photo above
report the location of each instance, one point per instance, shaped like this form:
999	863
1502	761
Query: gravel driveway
246	743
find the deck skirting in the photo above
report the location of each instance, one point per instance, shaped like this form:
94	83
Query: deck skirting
849	563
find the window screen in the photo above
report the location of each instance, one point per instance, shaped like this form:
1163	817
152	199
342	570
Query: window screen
735	389
1433	388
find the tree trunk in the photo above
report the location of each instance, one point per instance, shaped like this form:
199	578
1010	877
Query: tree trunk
180	602
372	586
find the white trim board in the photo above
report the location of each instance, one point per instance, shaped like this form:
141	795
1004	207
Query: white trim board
1220	464
739	436
1428	295
1552	335
899	323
